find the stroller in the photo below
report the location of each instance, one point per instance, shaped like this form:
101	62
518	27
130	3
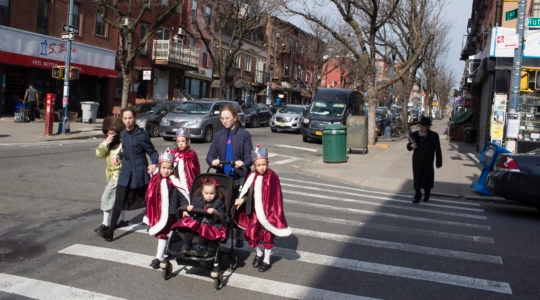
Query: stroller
212	259
20	112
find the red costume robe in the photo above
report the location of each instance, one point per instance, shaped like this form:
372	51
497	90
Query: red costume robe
186	163
267	218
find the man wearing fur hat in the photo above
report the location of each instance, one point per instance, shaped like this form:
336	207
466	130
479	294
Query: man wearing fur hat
111	147
427	148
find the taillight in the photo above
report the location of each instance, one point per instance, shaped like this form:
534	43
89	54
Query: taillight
509	164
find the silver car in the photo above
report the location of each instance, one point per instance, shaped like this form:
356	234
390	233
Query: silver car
288	118
200	117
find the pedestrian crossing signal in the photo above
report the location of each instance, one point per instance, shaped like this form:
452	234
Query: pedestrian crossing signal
58	72
73	73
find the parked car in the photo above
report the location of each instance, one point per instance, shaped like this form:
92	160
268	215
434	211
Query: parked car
200	117
257	114
330	105
381	119
288	118
516	177
149	115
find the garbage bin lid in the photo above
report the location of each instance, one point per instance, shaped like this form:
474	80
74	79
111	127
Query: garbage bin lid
334	126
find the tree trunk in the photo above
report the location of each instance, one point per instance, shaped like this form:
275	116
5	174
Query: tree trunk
126	89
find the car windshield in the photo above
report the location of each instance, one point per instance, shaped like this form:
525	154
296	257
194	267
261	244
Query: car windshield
291	110
330	109
195	108
144	107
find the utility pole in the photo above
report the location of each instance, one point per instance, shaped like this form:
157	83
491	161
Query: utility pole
64	123
518	57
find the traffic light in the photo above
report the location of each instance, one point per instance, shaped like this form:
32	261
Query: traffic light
58	72
73	73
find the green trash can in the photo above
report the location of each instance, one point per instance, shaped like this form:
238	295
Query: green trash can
334	142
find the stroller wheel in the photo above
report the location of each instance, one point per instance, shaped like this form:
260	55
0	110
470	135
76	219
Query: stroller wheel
218	283
234	262
167	271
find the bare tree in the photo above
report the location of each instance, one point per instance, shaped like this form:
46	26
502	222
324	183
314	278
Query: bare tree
363	19
125	16
231	23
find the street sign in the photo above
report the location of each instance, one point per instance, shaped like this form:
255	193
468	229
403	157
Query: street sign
73	29
511	14
68	36
533	22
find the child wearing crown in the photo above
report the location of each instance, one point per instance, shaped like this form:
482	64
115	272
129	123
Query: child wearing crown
186	161
262	215
163	196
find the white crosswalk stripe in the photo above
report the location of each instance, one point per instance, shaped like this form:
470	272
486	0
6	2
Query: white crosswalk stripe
459	232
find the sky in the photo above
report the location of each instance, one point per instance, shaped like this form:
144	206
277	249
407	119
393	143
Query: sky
457	13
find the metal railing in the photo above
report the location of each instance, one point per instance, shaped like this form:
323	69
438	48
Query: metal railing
174	52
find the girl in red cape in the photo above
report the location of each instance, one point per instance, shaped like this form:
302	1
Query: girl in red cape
163	196
262	214
186	161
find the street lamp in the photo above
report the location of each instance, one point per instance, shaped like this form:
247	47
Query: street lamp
269	87
388	127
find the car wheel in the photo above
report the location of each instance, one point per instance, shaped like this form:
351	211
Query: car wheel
305	138
153	130
168	138
273	129
253	122
208	134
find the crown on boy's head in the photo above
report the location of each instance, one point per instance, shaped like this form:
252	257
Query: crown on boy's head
182	132
259	153
166	157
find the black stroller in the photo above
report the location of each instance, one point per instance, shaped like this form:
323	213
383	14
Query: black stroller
212	259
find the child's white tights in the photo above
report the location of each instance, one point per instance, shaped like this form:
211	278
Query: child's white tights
161	249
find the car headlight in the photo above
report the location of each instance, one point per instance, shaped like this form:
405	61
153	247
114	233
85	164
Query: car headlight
306	121
141	122
194	123
165	122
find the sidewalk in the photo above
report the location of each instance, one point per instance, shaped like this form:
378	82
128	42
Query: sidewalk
386	167
11	132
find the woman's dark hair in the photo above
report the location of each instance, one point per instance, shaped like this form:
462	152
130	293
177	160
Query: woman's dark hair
128	109
233	110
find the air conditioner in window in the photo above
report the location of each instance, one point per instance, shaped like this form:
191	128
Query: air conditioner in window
181	31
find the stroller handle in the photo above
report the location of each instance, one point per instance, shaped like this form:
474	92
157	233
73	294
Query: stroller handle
225	162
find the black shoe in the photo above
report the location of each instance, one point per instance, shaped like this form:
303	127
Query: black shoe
264	267
184	249
196	250
417	197
106	234
101	227
155	263
239	243
257	261
426	199
122	224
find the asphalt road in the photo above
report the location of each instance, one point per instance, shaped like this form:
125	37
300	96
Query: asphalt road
348	243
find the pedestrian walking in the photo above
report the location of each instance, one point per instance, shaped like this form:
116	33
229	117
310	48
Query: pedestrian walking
163	197
134	173
31	99
426	148
260	210
233	144
109	148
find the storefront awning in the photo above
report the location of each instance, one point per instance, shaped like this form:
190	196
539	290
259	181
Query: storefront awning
24	48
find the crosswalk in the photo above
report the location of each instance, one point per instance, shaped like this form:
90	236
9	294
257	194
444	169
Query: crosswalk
377	236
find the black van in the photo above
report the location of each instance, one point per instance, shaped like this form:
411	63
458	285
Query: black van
330	105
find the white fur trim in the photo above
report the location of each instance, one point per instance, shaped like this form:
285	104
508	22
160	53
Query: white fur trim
164	214
182	174
261	215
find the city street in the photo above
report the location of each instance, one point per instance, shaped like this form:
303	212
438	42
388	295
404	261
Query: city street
348	242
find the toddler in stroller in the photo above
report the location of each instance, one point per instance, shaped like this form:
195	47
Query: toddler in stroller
204	225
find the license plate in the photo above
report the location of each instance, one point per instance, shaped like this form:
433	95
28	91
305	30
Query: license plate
174	129
318	132
282	125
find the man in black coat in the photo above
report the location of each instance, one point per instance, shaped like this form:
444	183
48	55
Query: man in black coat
427	147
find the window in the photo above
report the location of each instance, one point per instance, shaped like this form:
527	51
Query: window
247	63
42	17
100	24
194	11
4	12
205	58
77	15
208	15
163	33
236	63
144	31
191	42
536	8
